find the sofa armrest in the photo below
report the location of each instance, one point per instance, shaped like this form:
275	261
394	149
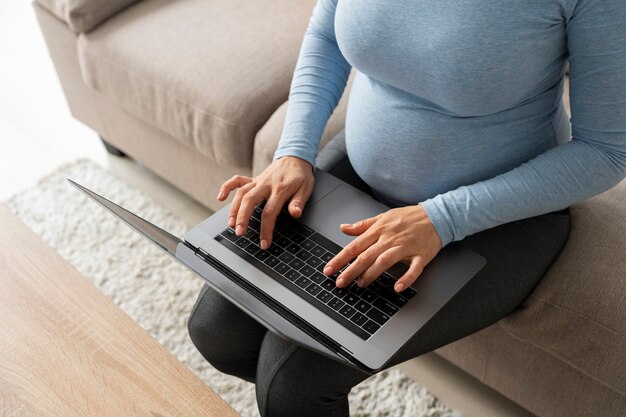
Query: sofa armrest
266	140
84	15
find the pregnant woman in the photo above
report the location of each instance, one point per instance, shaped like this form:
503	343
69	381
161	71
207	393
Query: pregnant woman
455	121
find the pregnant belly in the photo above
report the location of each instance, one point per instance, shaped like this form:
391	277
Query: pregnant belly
408	150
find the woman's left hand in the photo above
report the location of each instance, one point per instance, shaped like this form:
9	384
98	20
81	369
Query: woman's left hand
401	234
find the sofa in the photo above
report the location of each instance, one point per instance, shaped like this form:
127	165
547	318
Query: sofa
197	92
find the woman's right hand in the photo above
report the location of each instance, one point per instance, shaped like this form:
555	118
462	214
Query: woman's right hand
288	177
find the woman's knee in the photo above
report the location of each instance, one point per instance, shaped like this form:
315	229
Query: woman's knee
292	380
225	336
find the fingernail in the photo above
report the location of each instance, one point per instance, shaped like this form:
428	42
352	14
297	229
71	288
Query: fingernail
360	283
327	270
219	196
264	244
340	283
239	230
399	286
345	224
231	221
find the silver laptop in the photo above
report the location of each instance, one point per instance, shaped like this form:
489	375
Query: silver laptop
284	289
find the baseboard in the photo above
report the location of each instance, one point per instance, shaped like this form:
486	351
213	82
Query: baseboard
459	389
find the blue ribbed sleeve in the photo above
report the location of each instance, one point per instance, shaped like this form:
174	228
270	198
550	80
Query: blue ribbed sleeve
319	81
592	162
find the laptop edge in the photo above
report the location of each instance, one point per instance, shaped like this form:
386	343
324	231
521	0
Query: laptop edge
235	288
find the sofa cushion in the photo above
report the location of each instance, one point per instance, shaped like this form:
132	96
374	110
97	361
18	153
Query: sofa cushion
575	318
208	72
84	15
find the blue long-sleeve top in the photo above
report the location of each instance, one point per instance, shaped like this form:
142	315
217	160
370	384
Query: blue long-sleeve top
456	104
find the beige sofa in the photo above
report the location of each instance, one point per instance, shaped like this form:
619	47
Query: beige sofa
196	90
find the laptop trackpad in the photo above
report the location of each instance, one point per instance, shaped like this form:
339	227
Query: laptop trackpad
342	205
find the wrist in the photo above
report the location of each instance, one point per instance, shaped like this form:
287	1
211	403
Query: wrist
298	160
425	219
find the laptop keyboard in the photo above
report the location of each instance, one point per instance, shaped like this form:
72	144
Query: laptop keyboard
296	259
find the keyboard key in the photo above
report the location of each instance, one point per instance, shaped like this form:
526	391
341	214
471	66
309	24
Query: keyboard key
317	278
350	298
254	224
297	238
362	306
253	236
370	327
271	261
390	295
358	319
296	264
336	304
251	249
230	234
314	262
386	280
292	275
257	213
385	306
347	311
275	250
378	316
303	254
325	243
242	242
286	257
408	293
329	284
339	292
355	289
308	245
293	248
324	296
282	241
262	255
327	257
303	282
306	270
368	296
317	250
313	289
282	268
305	230
375	285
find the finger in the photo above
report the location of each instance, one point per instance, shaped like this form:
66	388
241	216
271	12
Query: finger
360	264
234	182
299	199
271	210
234	206
358	227
384	261
409	277
247	205
349	252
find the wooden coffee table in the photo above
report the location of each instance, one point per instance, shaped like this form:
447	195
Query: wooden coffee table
66	350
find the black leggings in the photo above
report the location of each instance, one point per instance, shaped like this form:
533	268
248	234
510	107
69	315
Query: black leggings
294	381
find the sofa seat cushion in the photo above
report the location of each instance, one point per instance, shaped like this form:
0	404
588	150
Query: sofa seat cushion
576	316
208	72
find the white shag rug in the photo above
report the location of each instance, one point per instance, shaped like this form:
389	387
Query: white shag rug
157	292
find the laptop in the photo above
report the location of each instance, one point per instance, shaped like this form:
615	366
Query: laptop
284	289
